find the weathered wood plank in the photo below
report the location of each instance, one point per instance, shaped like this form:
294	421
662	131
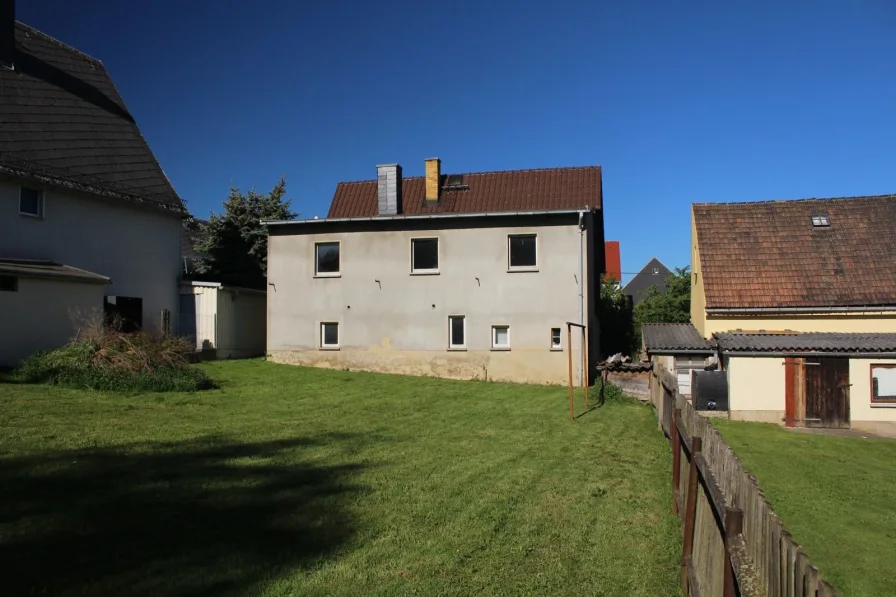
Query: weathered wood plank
717	498
693	581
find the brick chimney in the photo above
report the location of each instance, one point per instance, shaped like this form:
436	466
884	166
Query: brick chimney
7	32
433	179
388	189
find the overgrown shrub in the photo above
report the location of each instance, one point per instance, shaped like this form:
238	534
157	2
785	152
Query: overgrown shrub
102	357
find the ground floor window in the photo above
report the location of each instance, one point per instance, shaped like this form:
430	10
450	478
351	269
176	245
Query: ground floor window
329	334
457	331
883	384
500	336
555	339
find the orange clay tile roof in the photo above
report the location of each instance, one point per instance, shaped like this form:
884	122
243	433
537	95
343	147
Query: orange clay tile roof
512	190
769	255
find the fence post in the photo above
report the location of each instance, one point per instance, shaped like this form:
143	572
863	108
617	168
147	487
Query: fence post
734	520
690	514
676	460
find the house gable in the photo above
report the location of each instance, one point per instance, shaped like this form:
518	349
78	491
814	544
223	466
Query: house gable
63	123
652	274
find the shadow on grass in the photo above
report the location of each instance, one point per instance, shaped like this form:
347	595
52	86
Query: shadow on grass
197	518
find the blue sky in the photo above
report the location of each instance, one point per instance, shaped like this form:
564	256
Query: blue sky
680	102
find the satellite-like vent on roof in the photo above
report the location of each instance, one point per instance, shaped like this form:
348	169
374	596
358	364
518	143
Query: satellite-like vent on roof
455	181
821	221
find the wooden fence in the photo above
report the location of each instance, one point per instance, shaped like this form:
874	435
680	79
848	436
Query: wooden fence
734	543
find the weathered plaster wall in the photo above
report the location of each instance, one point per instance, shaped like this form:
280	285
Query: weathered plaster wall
393	321
138	248
756	388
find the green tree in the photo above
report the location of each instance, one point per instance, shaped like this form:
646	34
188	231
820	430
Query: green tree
234	244
614	312
672	305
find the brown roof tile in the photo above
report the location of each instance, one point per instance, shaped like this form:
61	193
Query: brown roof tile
768	254
513	190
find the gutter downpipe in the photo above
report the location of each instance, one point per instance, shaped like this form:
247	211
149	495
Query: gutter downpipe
581	294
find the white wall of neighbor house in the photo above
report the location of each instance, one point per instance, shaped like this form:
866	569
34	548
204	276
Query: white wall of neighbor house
42	314
137	247
756	388
391	320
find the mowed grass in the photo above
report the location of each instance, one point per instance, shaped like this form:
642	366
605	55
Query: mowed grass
295	481
837	497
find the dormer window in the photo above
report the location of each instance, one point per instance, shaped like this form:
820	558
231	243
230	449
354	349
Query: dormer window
821	221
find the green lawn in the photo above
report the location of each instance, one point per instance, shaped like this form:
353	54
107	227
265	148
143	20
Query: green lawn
295	481
837	497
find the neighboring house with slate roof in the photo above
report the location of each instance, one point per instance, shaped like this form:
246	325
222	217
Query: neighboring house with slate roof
653	274
799	300
458	275
80	190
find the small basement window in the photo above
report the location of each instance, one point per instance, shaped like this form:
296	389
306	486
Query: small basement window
9	284
522	251
31	202
821	220
326	259
329	334
555	339
424	255
457	331
883	384
500	336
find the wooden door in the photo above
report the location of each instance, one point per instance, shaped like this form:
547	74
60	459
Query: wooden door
827	392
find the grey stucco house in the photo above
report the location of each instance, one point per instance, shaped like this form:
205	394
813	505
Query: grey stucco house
88	220
469	276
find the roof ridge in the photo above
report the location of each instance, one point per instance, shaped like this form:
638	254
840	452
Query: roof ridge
61	44
767	201
595	166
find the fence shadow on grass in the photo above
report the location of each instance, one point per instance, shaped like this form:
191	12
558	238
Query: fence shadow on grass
198	518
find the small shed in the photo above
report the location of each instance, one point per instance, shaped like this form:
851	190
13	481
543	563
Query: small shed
812	379
224	322
679	347
41	302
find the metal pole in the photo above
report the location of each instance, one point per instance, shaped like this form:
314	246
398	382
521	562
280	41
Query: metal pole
569	362
585	364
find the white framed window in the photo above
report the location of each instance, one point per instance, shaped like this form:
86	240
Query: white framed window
329	334
457	331
424	255
883	385
31	202
522	252
501	337
327	259
556	339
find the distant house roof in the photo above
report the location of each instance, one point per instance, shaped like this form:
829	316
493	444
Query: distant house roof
652	274
673	338
804	253
30	268
808	342
62	122
510	191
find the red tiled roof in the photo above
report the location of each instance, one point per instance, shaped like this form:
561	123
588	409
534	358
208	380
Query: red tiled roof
768	254
512	190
